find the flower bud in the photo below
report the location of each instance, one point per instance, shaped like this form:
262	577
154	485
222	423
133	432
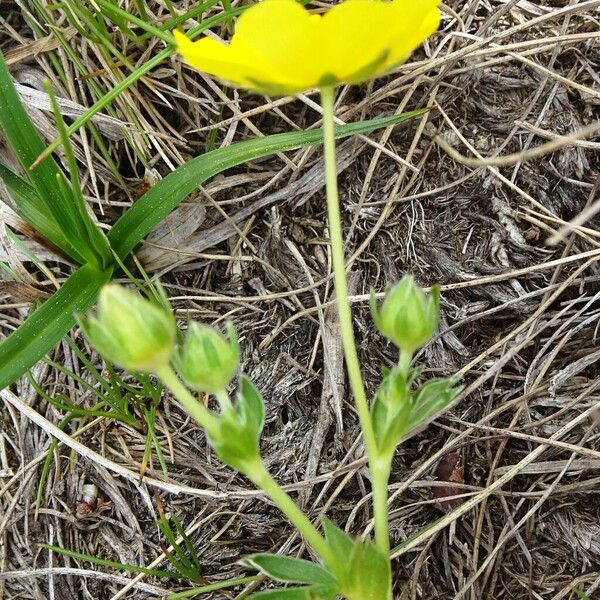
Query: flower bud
207	361
130	331
407	317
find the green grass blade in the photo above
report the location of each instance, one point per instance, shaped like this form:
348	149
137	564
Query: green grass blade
158	202
213	587
62	205
90	241
28	205
27	144
47	324
111	94
117	14
27	252
111	563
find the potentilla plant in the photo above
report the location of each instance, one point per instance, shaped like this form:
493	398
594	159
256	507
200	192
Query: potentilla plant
280	47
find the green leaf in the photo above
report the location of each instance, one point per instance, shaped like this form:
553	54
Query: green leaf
24	200
369	574
251	406
55	199
314	592
341	545
289	570
164	196
391	409
47	324
432	397
27	145
91	242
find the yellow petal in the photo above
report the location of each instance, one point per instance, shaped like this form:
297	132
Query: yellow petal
215	58
355	35
279	47
282	39
418	21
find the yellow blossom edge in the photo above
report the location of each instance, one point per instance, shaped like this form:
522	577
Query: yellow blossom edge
279	47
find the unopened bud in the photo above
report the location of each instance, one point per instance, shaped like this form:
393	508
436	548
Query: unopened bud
130	331
407	317
207	361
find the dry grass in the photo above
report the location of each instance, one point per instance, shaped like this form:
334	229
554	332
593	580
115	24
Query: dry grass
519	316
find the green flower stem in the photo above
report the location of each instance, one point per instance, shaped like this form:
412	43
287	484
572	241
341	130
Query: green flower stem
191	405
404	362
345	316
262	479
224	400
380	474
255	470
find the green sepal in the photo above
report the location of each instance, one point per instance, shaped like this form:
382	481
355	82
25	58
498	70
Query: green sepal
236	438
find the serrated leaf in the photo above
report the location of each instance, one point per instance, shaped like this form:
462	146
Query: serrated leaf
47	324
165	195
288	569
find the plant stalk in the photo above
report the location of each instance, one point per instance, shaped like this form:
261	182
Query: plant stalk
255	471
262	479
191	405
346	326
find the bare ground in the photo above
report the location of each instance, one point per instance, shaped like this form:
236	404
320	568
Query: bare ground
519	320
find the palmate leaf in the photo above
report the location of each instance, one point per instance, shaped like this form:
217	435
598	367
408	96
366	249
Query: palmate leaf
45	327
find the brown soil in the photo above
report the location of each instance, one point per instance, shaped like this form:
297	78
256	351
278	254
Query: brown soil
519	316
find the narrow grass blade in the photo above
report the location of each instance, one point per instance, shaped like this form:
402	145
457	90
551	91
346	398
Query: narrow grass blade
48	323
28	205
83	232
111	564
118	15
159	201
27	145
146	67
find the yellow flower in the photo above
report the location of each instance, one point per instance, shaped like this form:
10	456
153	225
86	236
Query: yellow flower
281	48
